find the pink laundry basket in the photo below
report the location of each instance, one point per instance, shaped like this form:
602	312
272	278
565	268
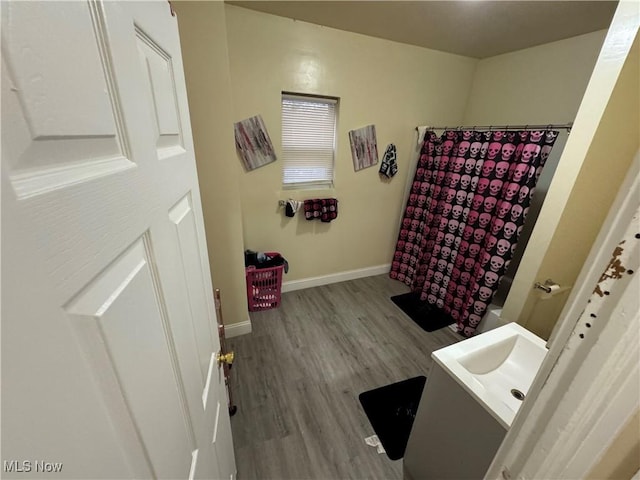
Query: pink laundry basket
264	286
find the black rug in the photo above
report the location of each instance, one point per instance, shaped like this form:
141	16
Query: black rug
427	316
391	410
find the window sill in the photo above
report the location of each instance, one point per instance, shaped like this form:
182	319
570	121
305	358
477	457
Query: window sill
309	186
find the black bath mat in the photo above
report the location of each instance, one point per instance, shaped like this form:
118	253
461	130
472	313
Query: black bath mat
391	410
427	316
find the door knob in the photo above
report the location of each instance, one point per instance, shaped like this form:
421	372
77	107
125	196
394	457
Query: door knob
225	358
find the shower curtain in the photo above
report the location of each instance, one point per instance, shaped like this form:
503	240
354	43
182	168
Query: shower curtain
469	199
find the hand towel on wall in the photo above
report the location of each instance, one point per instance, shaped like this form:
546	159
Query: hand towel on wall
329	209
312	209
389	167
325	209
421	131
291	207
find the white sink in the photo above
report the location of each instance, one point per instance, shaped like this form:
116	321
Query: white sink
493	364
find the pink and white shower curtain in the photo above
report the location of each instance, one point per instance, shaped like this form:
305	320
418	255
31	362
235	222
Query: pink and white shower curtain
468	202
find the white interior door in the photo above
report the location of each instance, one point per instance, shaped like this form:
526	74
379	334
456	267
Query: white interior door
108	322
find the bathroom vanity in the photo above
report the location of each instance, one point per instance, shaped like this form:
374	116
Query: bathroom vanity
472	395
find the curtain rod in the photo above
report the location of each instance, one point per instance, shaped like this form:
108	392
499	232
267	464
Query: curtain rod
564	126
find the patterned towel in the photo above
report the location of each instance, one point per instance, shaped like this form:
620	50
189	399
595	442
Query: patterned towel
329	209
325	209
291	207
312	209
389	167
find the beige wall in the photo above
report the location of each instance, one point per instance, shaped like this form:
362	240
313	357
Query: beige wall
542	84
538	85
205	57
391	85
603	170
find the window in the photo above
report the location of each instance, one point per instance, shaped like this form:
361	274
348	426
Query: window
308	140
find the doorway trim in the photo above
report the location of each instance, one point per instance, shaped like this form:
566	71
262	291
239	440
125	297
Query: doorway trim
587	387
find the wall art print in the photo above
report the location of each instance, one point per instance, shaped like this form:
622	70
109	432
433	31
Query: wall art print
466	209
253	143
364	147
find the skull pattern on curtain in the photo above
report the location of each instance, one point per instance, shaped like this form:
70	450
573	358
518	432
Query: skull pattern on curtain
468	202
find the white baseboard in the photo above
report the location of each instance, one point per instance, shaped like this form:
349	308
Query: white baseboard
237	329
243	328
334	278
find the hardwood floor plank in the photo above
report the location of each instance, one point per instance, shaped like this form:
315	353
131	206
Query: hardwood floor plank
297	378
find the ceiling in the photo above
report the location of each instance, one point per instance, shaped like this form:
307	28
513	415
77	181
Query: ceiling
475	28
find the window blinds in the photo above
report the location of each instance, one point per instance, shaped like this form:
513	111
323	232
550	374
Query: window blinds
308	140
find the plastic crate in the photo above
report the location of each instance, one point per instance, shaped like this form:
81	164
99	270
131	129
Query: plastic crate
264	286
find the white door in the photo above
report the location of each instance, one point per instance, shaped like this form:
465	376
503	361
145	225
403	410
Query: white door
108	321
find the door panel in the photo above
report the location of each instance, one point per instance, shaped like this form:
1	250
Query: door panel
223	448
160	84
54	145
130	318
46	90
182	216
109	302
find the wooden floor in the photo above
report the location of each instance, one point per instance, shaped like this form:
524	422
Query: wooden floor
297	378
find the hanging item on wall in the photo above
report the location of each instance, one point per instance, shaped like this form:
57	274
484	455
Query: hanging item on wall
253	143
364	147
291	207
389	167
323	209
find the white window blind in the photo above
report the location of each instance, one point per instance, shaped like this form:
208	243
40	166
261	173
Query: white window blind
308	140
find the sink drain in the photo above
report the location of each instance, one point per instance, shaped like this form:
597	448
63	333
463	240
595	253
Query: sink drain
517	394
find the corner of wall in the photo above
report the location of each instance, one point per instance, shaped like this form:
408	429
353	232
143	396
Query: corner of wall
206	65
